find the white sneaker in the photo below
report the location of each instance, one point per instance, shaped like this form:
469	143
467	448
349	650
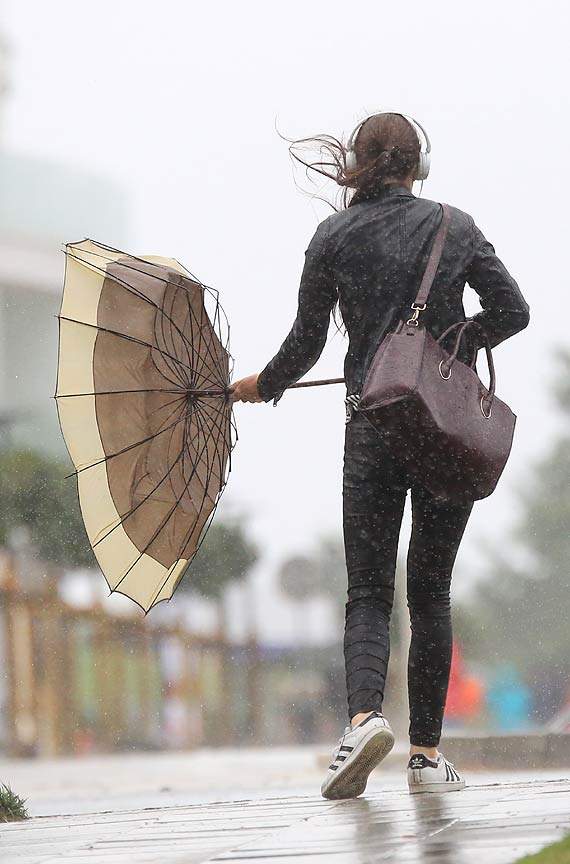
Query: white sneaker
357	753
425	775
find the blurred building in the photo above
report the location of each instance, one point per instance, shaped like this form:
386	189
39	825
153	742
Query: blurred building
43	205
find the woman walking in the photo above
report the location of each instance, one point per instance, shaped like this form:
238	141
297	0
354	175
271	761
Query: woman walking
369	258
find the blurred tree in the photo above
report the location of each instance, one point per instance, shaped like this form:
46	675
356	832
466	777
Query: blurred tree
226	555
331	571
34	494
521	612
298	577
321	574
324	574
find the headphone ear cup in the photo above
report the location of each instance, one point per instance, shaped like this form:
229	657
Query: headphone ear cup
350	160
423	165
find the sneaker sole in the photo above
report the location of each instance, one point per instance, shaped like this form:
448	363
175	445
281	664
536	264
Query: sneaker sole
446	786
350	781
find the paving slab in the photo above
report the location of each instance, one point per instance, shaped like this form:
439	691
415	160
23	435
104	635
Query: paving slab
494	823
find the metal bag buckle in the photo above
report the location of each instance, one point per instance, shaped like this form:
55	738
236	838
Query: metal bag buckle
414	319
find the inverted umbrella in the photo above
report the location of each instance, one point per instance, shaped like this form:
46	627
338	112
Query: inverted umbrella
143	401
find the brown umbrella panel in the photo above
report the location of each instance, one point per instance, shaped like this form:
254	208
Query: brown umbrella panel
142	399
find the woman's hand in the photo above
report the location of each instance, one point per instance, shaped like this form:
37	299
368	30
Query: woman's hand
245	390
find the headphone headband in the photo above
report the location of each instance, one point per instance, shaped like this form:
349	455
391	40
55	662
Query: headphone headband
425	154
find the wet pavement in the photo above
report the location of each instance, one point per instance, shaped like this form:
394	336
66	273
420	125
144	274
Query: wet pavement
494	820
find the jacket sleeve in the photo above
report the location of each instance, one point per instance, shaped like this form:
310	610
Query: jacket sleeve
504	309
305	342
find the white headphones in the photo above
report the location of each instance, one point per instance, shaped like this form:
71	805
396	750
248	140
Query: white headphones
425	152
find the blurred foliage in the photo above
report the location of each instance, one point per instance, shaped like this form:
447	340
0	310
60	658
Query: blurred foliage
34	494
298	577
322	573
521	612
226	555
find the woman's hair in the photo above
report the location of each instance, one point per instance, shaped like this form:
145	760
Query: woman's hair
387	147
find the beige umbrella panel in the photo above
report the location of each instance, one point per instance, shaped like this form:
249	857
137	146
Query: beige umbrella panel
142	398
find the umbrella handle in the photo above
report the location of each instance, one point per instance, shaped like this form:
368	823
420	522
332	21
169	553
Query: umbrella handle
320	383
296	386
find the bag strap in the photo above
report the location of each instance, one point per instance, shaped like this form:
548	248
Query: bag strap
431	268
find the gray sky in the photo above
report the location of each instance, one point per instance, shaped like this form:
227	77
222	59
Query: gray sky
177	100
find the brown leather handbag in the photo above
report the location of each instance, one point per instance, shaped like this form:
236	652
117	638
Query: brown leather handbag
451	433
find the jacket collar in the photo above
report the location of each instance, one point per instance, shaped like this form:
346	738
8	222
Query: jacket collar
389	190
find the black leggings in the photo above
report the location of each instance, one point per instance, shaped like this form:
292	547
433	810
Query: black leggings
374	493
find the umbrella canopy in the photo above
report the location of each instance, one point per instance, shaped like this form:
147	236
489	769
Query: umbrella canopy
142	399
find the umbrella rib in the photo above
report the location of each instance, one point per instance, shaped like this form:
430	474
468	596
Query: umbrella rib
215	423
226	324
188	322
110	456
193	319
136	258
205	371
209	470
189	533
197	361
192	339
162	407
129	513
124	262
203	534
160	319
215	294
161	326
201	362
212	370
186	342
199	454
223	484
129	288
221	453
165	521
179	373
161	481
214	359
203	393
221	435
216	409
139	294
122	336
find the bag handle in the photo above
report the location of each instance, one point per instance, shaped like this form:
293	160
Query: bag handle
419	303
461	324
446	365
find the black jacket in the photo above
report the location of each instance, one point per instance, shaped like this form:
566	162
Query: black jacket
371	257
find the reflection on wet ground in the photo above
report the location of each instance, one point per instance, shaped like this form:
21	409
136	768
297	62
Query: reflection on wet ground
493	824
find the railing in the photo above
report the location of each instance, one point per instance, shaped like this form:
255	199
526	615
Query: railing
76	681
